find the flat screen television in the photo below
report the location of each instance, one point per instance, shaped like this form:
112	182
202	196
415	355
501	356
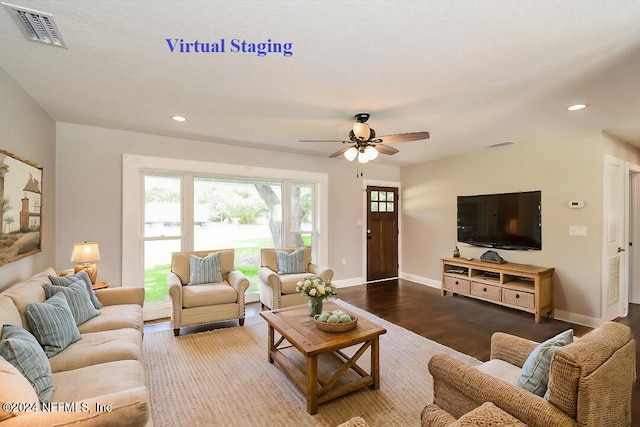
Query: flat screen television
501	221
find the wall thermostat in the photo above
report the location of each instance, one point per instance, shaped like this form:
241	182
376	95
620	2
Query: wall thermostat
576	204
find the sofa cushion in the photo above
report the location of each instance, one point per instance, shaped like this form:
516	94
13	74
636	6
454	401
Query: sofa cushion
82	277
535	371
78	299
31	290
15	389
114	317
204	270
9	314
291	263
22	350
52	324
99	347
119	383
208	294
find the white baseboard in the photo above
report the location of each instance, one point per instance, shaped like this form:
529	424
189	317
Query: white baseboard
345	283
422	280
579	319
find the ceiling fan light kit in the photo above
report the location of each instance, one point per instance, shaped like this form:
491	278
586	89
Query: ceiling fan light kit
364	143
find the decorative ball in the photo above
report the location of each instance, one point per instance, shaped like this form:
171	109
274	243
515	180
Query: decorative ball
333	319
344	318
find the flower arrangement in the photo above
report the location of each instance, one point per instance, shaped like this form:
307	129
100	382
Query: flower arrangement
316	287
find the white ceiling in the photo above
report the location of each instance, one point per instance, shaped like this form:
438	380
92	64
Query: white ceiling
472	73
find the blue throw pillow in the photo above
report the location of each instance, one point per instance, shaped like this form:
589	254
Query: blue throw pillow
78	299
204	270
291	263
80	276
20	348
535	371
52	324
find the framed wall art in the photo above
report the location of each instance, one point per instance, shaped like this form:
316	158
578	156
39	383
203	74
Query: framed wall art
20	207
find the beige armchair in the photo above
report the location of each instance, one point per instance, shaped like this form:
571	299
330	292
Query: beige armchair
210	302
590	381
279	290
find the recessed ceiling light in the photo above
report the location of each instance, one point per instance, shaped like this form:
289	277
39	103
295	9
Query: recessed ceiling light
178	118
576	107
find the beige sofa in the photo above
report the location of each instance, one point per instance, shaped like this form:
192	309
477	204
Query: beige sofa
279	290
207	302
590	381
98	380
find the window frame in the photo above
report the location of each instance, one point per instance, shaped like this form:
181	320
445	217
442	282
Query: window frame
135	167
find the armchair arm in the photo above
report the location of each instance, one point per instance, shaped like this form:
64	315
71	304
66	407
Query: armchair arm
269	277
238	282
116	296
511	348
459	388
319	270
175	293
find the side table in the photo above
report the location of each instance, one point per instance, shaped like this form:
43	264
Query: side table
100	285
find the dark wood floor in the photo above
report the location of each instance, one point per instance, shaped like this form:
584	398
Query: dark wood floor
461	323
465	324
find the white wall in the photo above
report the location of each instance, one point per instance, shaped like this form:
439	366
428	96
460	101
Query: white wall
28	132
567	168
89	190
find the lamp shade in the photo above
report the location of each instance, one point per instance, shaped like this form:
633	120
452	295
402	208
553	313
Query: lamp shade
362	157
371	152
85	252
351	153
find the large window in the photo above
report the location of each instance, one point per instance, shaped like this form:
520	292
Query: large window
174	205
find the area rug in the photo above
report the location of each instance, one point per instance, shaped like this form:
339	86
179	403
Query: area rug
223	378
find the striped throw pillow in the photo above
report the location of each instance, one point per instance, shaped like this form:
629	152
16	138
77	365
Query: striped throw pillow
78	298
52	324
204	270
20	349
291	263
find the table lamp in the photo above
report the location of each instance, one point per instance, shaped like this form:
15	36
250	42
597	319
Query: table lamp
85	254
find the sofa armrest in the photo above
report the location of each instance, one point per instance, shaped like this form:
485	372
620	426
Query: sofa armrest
116	296
511	348
239	282
459	388
130	407
319	270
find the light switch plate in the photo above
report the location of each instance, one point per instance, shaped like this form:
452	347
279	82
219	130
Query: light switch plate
577	230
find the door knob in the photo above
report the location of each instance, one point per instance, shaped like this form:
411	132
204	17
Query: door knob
621	250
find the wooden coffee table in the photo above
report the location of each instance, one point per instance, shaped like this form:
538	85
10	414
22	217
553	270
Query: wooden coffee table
314	359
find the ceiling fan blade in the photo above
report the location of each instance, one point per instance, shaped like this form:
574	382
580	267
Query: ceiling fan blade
403	137
339	152
322	141
385	149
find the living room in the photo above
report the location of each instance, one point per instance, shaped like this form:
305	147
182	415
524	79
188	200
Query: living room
560	153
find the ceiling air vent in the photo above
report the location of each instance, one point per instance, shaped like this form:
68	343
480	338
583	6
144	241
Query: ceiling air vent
36	26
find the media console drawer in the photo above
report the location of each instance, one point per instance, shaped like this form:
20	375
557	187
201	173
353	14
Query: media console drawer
490	292
519	298
455	284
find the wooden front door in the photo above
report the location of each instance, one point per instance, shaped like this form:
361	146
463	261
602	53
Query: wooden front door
382	232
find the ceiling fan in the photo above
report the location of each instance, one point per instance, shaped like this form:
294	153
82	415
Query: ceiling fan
364	144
